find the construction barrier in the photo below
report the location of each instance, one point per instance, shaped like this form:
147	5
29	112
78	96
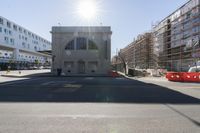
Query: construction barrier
113	74
192	77
175	76
183	76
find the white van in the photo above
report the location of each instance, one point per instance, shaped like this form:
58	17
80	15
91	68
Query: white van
194	69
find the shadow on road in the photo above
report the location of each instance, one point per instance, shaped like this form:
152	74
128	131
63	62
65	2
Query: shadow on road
90	89
195	122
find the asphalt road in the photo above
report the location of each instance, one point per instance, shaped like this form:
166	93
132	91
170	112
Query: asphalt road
95	104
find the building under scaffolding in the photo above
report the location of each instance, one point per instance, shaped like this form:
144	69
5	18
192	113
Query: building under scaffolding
137	55
177	38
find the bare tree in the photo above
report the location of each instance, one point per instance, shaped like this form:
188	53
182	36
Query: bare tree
122	57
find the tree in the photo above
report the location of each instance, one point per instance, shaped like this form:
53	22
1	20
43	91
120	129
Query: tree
122	57
36	62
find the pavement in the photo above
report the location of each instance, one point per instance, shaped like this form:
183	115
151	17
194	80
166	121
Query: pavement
15	75
191	89
98	104
22	73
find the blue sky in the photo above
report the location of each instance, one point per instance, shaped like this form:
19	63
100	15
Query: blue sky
127	18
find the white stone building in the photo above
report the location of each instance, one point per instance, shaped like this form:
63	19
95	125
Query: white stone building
21	46
81	50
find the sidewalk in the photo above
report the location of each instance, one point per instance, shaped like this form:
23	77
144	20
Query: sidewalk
9	79
191	89
149	78
22	73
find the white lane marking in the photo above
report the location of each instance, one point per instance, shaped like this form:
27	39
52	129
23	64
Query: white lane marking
120	78
57	82
19	81
98	116
47	83
89	78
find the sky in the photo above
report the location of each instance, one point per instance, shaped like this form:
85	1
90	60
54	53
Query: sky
127	18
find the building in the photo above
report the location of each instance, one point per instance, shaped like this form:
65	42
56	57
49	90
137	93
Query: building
81	50
137	55
177	37
19	47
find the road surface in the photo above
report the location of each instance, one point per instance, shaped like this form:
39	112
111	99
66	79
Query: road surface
97	104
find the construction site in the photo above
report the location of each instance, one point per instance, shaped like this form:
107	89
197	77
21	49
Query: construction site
177	38
138	55
172	45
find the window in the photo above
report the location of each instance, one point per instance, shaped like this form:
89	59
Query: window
1	21
6	39
5	31
8	24
92	45
70	45
188	15
195	29
10	32
20	29
81	43
25	32
23	44
0	29
11	41
15	27
35	48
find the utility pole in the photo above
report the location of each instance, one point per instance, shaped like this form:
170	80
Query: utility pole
116	59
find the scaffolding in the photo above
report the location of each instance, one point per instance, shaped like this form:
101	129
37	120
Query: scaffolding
174	33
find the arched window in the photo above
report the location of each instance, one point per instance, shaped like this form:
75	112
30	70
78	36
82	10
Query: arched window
92	45
81	43
70	45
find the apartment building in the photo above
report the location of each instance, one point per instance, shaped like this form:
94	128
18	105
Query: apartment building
137	55
81	50
20	47
177	38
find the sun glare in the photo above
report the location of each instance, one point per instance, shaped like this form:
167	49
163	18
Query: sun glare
87	9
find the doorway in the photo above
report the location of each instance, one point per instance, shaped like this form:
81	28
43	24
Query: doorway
81	67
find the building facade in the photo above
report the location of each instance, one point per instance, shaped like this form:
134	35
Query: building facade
81	50
20	47
177	38
137	55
